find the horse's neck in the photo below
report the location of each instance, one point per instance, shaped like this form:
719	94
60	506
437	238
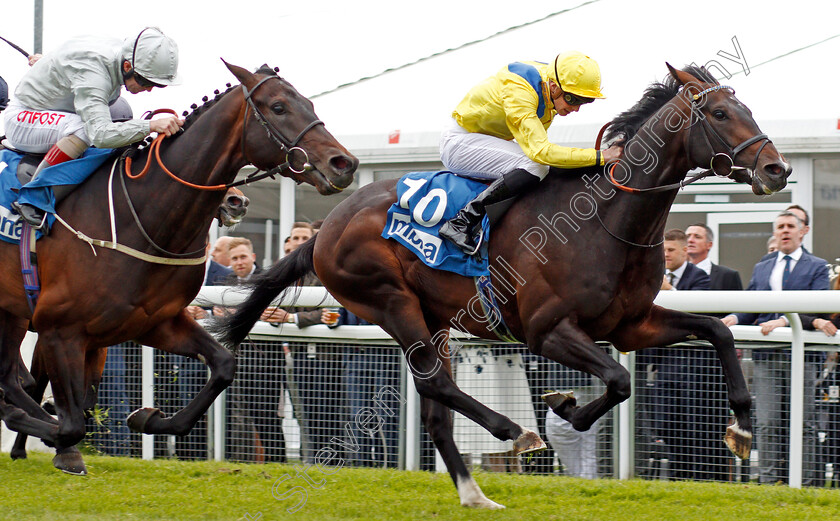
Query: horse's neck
206	154
654	157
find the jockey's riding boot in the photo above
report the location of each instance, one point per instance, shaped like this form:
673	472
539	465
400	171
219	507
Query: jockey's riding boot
459	229
65	149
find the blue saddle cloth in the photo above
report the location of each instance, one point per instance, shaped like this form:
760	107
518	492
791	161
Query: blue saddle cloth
426	200
38	193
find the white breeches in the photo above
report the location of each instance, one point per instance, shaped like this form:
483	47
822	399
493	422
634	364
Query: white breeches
470	152
36	131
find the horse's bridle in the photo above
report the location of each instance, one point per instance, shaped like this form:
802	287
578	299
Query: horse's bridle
722	164
288	147
727	167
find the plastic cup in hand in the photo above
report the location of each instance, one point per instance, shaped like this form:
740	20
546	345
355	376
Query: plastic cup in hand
331	316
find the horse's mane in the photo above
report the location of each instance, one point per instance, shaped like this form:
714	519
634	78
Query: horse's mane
196	110
626	124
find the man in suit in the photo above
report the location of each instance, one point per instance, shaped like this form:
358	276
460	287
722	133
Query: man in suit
686	415
699	241
791	268
679	273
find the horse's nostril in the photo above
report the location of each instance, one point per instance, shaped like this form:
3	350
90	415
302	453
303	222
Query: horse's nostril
778	169
343	164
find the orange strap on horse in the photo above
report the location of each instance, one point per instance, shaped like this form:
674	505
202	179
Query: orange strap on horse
154	148
610	171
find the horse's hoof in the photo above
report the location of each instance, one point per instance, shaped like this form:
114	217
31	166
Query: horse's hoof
472	496
488	504
70	462
18	453
527	442
739	441
138	421
556	400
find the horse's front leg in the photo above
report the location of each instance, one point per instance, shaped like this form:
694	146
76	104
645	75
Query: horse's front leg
181	335
567	344
663	327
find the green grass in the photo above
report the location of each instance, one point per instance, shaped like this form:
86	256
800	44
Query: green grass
122	488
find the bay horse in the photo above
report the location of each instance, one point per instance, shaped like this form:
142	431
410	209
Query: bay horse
576	261
34	381
93	296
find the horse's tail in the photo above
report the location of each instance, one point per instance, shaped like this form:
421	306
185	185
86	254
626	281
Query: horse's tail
231	331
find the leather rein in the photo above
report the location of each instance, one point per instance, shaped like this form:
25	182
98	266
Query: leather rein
288	147
722	164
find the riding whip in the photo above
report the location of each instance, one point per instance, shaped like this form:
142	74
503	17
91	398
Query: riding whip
16	47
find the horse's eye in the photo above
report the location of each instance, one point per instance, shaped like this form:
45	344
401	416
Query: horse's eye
278	108
719	115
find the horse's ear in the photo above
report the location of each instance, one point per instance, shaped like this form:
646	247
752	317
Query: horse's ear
683	78
244	76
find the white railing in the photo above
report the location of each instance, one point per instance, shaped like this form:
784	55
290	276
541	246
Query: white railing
789	302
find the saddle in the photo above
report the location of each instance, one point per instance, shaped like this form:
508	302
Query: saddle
27	166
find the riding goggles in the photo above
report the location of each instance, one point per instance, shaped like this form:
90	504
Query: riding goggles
571	99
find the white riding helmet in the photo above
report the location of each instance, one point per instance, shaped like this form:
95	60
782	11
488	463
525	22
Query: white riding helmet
154	56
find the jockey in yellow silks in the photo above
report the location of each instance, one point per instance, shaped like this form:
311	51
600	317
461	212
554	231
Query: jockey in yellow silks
499	130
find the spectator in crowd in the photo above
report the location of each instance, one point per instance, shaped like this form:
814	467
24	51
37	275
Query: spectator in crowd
257	392
243	260
301	232
828	392
688	391
791	268
220	250
372	385
699	241
679	273
772	244
577	451
315	378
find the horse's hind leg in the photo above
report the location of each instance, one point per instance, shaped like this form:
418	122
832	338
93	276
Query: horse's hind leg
438	421
40	380
182	336
570	346
22	413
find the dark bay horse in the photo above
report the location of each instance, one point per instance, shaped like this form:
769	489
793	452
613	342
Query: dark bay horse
93	297
230	213
576	261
